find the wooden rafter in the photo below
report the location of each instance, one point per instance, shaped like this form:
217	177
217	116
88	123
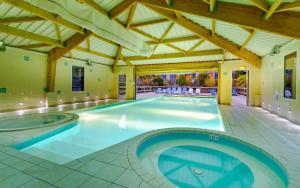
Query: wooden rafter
212	5
175	66
288	6
248	39
196	46
156	39
150	23
272	9
261	4
164	35
95	6
56	53
88	44
131	15
173	40
215	39
93	52
58	33
21	19
43	14
213	27
117	58
120	8
29	35
242	15
174	55
31	46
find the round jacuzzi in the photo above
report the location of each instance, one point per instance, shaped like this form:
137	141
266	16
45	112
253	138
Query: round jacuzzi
192	158
31	121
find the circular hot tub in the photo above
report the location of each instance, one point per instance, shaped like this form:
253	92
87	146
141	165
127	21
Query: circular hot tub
208	159
31	121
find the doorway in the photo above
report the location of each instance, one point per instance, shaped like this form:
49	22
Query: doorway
122	86
240	88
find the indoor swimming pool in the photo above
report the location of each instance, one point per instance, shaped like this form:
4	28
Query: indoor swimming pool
99	128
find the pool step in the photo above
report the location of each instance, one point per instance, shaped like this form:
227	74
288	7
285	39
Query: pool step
48	155
68	151
83	141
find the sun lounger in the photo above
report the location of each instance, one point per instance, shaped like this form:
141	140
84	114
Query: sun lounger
191	91
198	91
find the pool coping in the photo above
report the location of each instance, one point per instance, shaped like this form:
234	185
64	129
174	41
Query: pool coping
162	181
73	117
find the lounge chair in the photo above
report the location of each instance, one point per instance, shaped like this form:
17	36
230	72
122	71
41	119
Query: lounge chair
158	91
198	91
191	91
213	92
234	92
164	91
184	91
168	91
178	91
173	91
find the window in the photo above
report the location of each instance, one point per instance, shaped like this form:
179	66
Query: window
290	75
77	78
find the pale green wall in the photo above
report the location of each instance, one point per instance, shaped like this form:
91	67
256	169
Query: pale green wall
23	79
273	83
26	80
226	80
98	82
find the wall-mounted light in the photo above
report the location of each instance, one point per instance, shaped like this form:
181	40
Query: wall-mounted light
21	103
60	100
2	46
290	111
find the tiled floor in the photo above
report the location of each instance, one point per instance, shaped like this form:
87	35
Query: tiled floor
112	167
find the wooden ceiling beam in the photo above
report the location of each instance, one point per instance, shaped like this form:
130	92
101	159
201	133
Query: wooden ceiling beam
70	44
150	23
120	8
56	53
212	5
261	4
282	23
196	46
130	16
43	14
95	6
272	9
31	46
215	39
288	6
179	66
174	40
29	35
156	39
174	55
21	19
117	58
248	39
93	52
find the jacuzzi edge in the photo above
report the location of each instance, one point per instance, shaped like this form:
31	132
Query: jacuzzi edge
143	138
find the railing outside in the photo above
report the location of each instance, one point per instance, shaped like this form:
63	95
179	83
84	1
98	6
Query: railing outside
146	89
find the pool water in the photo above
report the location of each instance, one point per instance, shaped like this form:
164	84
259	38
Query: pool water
100	128
194	159
195	166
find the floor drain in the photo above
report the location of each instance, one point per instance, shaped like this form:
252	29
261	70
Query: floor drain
197	171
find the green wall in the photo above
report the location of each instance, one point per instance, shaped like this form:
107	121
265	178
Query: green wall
273	84
23	78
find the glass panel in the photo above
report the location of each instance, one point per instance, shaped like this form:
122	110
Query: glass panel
77	78
290	76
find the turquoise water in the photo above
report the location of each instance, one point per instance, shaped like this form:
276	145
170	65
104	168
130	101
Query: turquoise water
194	166
203	159
100	128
